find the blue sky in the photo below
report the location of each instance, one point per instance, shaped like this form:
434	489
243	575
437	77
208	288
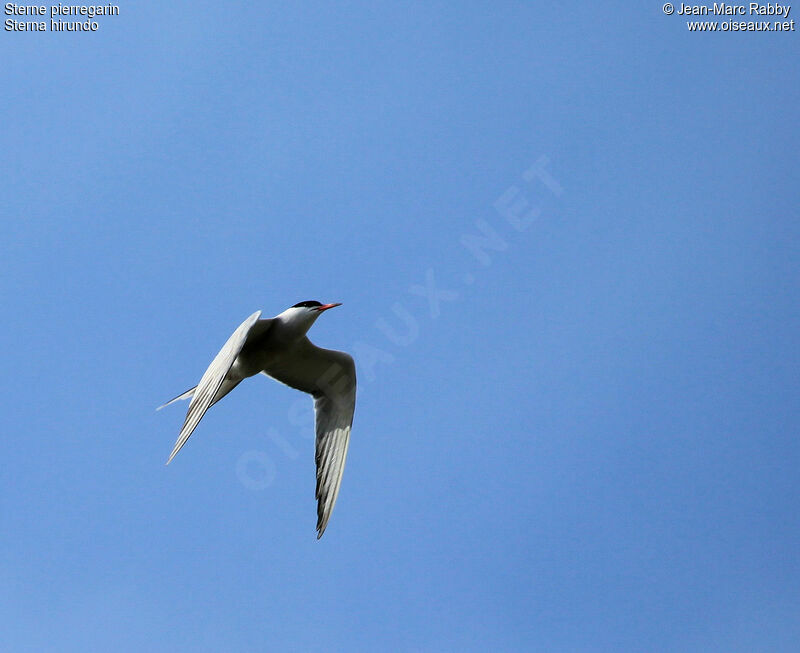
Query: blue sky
586	439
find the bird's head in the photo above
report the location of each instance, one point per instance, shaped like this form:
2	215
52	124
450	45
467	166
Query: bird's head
303	314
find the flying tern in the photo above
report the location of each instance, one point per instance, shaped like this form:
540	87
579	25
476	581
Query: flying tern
279	348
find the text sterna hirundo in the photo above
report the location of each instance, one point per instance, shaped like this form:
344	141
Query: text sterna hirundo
279	348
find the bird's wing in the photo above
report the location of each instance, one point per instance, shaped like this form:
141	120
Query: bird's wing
212	380
330	376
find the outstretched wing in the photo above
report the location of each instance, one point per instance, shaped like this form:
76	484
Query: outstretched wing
334	410
212	380
330	376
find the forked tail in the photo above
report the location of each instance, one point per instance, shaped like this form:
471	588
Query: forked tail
186	395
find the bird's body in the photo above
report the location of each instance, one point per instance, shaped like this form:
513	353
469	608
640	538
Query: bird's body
278	347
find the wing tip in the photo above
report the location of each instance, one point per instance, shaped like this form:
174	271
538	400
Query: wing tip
322	524
172	455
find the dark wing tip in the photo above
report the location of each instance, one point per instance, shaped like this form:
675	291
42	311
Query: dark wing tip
321	525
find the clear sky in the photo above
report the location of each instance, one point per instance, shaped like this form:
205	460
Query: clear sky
567	243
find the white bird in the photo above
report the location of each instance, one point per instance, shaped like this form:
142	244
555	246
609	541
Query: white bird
279	348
